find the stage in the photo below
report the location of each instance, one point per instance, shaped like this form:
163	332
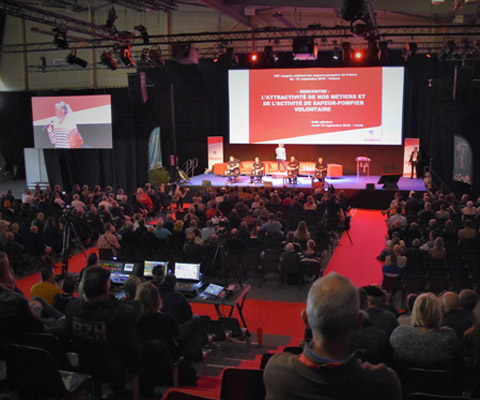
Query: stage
355	188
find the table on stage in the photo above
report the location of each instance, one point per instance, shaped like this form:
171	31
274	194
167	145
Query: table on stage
235	299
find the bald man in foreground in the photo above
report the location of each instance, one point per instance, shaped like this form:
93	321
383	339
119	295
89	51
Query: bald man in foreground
326	369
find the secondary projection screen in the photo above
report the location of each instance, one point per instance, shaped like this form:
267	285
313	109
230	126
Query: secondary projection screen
70	122
317	106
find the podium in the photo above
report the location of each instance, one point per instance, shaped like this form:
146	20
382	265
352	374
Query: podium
363	163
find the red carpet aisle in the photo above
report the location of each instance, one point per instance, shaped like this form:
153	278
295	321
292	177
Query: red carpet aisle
357	262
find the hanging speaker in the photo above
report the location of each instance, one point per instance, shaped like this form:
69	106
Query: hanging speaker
137	88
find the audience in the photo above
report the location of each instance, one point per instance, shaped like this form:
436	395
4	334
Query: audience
326	364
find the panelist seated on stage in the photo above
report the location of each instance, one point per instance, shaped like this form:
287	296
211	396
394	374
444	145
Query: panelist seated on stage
320	169
257	170
233	168
292	169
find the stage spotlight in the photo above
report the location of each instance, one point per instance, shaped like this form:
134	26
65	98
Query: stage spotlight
254	57
350	9
111	18
359	27
358	55
304	48
107	60
60	38
144	33
72	59
126	57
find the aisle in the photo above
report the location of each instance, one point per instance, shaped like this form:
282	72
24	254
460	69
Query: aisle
358	261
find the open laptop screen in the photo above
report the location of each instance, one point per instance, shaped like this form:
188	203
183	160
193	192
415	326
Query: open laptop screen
187	271
149	265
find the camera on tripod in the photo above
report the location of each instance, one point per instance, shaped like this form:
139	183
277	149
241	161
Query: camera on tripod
68	214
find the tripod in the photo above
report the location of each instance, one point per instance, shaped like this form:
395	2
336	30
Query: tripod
69	231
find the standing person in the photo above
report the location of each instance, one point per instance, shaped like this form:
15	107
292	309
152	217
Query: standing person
413	161
62	130
281	156
326	365
320	170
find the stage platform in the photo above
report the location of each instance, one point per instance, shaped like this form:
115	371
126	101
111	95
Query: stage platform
355	187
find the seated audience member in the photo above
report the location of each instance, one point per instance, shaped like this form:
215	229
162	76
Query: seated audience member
396	257
371	341
467	232
47	289
454	316
161	232
469	211
158	333
17	315
208	231
468	299
271	227
130	288
311	256
406	318
96	321
377	311
326	364
68	288
34	243
438	252
425	344
471	341
92	260
398	216
291	239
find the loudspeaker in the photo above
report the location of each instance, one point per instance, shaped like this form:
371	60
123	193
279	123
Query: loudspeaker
206	182
137	88
185	53
370	186
462	83
389	181
267	184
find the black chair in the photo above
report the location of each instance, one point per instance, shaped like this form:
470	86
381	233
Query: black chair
439	382
425	396
105	366
265	358
176	395
52	345
33	373
242	384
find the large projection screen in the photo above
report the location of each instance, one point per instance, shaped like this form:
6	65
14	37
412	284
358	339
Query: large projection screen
56	119
317	106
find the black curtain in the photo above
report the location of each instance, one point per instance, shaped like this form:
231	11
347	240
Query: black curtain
201	109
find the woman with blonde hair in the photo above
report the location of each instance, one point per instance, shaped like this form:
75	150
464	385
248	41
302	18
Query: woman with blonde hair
425	344
471	340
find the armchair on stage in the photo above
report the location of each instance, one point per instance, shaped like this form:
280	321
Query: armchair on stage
306	168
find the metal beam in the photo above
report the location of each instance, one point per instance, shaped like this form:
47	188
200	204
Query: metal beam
342	32
25	11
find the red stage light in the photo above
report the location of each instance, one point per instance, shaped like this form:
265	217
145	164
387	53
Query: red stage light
254	57
358	55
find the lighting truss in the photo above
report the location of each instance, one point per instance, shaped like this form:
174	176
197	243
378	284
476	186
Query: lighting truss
267	34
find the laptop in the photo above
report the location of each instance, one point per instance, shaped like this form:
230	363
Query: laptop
188	278
188	272
214	290
149	265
